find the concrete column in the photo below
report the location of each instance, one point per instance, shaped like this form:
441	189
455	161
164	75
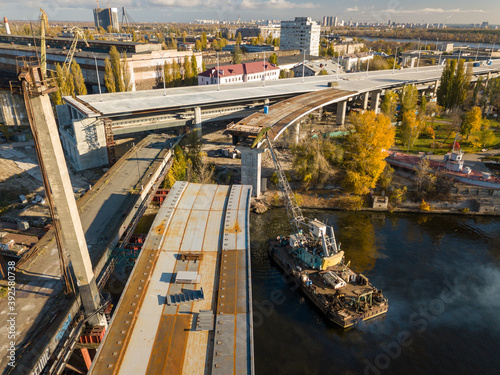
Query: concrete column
487	80
341	109
251	161
365	100
436	85
296	129
197	121
65	205
374	102
320	114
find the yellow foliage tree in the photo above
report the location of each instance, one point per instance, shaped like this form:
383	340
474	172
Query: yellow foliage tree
371	135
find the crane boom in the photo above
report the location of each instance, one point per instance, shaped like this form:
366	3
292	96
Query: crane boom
292	207
78	33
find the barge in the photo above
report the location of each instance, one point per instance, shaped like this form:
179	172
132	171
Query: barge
342	295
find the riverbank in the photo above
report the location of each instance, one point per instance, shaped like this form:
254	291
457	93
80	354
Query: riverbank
336	200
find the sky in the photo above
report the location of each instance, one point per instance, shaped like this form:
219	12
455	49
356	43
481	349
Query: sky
431	11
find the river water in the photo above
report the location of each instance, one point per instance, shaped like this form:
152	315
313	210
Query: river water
441	274
425	42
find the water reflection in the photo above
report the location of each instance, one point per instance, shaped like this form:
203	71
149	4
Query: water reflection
413	258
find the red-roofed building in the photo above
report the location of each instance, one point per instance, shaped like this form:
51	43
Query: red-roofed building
238	73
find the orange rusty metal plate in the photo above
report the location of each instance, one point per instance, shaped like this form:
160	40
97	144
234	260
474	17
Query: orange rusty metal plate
169	348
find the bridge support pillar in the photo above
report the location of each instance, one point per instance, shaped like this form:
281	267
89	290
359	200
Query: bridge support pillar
320	114
374	102
365	100
251	161
436	85
341	109
296	131
487	80
197	121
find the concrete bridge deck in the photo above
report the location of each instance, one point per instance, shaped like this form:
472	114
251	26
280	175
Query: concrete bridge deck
43	312
209	225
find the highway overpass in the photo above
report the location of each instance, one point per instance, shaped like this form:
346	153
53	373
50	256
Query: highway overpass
82	119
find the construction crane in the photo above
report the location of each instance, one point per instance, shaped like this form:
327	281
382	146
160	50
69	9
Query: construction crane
78	34
44	28
306	231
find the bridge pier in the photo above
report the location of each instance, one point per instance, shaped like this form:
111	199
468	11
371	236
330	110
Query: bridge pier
251	162
341	109
197	121
365	100
436	85
296	131
375	99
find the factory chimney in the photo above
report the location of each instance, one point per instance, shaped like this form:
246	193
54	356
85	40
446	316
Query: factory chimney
6	24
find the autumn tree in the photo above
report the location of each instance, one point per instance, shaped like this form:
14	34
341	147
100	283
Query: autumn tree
194	66
197	45
370	136
168	75
176	73
116	65
389	104
238	39
273	59
109	77
472	122
204	41
186	69
76	71
177	171
237	54
313	158
127	79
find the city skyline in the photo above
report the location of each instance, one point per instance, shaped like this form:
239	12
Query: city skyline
458	12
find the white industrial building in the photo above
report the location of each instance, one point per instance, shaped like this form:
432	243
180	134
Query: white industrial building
238	73
302	34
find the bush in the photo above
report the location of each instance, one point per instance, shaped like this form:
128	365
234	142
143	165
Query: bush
398	195
424	206
351	202
465	210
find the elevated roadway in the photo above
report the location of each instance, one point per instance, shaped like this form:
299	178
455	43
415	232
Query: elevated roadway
43	312
131	112
202	229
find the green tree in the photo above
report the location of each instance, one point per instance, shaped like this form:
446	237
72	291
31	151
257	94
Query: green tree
237	54
238	39
472	121
459	86
109	77
389	104
273	59
76	71
444	89
313	158
370	135
408	99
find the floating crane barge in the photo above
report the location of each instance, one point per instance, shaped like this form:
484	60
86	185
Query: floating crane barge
316	263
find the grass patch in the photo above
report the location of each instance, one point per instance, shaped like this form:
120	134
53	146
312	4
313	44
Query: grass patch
443	139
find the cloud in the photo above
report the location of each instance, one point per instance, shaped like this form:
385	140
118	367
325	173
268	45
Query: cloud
432	10
275	4
355	9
